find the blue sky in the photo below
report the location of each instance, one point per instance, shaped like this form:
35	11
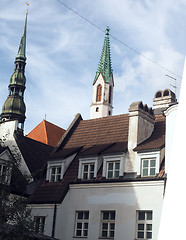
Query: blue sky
63	52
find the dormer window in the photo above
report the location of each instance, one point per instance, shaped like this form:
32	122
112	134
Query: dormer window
113	166
148	164
88	171
113	169
3	172
88	168
55	174
55	171
148	167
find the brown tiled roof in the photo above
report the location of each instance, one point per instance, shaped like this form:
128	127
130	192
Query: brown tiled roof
47	133
98	134
157	139
36	154
92	137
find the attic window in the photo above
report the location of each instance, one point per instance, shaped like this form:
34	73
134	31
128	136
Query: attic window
55	174
99	93
3	172
88	168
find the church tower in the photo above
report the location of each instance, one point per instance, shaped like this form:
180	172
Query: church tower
102	95
14	107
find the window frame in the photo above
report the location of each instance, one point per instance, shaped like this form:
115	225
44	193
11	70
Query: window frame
155	155
86	161
107	221
40	227
114	170
55	164
82	221
115	158
99	93
148	168
89	171
144	222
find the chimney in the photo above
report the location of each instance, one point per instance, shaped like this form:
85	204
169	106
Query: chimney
163	99
141	126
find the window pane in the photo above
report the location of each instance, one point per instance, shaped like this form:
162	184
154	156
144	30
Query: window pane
145	163
80	215
145	172
86	226
105	215
85	233
117	165
140	226
110	174
79	225
105	226
86	215
86	168
104	233
152	172
112	234
149	227
59	170
149	215
91	175
141	215
85	176
92	167
110	166
112	215
149	235
153	163
53	170
112	225
140	234
78	233
116	174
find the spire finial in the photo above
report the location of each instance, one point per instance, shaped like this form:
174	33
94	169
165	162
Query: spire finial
27	7
107	30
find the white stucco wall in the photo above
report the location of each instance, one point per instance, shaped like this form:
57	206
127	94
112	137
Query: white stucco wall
171	114
125	198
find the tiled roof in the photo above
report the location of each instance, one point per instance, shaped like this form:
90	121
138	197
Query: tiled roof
98	134
47	133
92	137
35	154
157	139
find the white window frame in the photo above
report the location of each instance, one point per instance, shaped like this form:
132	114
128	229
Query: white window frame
55	164
88	172
114	158
109	223
88	161
145	223
84	222
41	223
155	155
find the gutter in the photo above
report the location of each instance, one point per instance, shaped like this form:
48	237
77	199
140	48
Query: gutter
54	220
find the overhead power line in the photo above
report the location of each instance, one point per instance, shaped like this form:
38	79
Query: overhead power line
127	46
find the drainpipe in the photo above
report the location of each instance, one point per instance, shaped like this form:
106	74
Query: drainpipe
54	220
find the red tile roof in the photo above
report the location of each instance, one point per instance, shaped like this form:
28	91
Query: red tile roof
47	133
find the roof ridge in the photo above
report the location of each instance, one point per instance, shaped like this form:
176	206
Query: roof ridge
45	130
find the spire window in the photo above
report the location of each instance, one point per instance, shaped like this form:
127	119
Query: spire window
99	93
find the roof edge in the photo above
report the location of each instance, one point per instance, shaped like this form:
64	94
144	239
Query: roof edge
68	132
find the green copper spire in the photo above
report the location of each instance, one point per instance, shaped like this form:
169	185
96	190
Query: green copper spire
14	107
105	61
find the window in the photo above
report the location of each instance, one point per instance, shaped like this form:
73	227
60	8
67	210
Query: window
88	171
99	93
81	224
110	94
3	172
55	174
148	167
113	169
39	224
107	224
144	225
